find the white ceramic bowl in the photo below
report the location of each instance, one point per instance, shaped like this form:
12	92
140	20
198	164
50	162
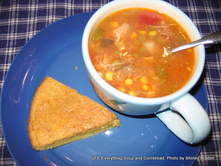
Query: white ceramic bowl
113	94
141	106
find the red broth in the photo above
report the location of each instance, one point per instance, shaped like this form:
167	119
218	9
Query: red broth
127	49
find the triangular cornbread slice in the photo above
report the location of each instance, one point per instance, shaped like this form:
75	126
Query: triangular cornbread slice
60	115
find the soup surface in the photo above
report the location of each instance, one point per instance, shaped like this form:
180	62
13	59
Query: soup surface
128	48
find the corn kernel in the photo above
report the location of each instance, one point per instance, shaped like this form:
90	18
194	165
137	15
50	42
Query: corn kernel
144	80
142	32
109	76
114	24
188	68
133	35
122	89
128	81
145	87
91	45
132	93
152	33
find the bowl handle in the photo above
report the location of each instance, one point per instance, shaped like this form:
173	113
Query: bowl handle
187	119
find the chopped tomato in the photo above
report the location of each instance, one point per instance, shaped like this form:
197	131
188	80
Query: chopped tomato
150	18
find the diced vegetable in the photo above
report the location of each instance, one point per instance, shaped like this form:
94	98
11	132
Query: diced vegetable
142	37
144	80
132	93
149	45
128	81
145	87
188	68
142	32
98	33
152	33
133	35
150	18
109	76
122	89
114	24
161	72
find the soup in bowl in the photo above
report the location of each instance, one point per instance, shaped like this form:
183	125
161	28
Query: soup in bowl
125	49
129	50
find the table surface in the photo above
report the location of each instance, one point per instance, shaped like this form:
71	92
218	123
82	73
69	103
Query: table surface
21	20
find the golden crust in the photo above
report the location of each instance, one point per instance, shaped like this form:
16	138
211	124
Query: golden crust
60	115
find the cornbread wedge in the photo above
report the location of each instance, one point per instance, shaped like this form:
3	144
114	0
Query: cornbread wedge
60	115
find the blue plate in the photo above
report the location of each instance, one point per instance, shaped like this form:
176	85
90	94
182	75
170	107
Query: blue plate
56	52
